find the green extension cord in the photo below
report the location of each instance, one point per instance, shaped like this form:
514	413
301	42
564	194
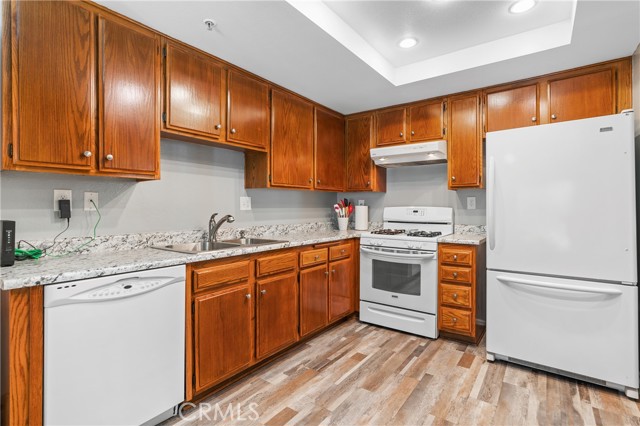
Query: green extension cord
27	254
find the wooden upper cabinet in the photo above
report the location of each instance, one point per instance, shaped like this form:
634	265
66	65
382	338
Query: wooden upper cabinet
511	107
329	151
391	126
223	334
195	100
247	111
582	96
277	314
291	141
129	64
362	174
465	142
426	121
53	105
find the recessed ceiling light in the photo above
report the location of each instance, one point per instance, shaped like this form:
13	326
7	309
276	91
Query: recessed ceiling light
522	6
407	42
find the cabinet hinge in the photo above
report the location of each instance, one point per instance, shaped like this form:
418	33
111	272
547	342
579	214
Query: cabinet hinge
164	52
164	117
10	150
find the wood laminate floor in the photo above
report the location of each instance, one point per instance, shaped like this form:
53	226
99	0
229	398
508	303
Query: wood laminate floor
359	374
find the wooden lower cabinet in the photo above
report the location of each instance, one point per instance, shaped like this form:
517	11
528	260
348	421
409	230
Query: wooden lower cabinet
341	289
461	291
314	294
223	338
245	310
276	314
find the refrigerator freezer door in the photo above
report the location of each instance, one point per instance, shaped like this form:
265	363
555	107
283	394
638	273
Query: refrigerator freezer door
561	199
581	327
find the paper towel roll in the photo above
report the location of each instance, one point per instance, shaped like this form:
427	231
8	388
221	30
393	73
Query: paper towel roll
362	218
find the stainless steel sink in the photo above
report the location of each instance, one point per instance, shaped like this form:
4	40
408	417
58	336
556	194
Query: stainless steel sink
253	241
199	247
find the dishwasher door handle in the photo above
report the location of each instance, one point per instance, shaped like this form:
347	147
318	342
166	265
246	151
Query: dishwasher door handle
116	290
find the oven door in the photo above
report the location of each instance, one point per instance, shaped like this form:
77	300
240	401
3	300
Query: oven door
398	277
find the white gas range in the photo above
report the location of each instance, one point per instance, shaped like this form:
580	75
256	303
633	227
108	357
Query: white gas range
399	269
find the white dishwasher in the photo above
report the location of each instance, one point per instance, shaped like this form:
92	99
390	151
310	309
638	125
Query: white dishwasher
114	348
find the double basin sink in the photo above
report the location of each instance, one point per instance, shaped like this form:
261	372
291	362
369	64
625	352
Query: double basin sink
206	246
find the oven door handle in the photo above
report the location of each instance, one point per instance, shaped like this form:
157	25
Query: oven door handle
399	255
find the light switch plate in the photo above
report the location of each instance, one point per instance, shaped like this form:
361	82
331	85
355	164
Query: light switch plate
245	203
61	194
471	203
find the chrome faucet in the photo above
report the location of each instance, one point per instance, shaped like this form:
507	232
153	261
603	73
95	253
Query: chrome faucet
213	225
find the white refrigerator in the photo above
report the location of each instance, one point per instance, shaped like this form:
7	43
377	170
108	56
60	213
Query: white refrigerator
562	276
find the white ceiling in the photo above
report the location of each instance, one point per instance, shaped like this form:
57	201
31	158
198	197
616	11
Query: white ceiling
344	54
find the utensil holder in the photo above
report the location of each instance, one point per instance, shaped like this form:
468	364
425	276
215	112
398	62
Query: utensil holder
343	222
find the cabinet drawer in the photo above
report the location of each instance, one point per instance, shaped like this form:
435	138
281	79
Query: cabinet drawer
313	257
455	274
455	320
457	255
456	295
273	264
220	274
340	252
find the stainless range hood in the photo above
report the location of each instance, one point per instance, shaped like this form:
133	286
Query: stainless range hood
415	154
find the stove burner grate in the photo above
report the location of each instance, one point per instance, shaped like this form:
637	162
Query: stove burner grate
388	232
424	234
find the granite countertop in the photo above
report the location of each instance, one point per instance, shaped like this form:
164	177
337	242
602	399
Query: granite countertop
464	238
81	266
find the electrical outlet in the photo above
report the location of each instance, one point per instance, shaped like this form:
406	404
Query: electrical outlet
245	203
471	203
61	194
361	202
88	196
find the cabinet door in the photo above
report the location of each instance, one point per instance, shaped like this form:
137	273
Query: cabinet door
194	93
223	333
129	63
359	164
426	121
341	289
391	126
465	143
247	111
277	314
53	115
313	299
511	108
291	141
582	96
329	151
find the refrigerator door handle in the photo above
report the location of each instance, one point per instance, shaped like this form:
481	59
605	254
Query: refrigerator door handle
490	203
555	286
